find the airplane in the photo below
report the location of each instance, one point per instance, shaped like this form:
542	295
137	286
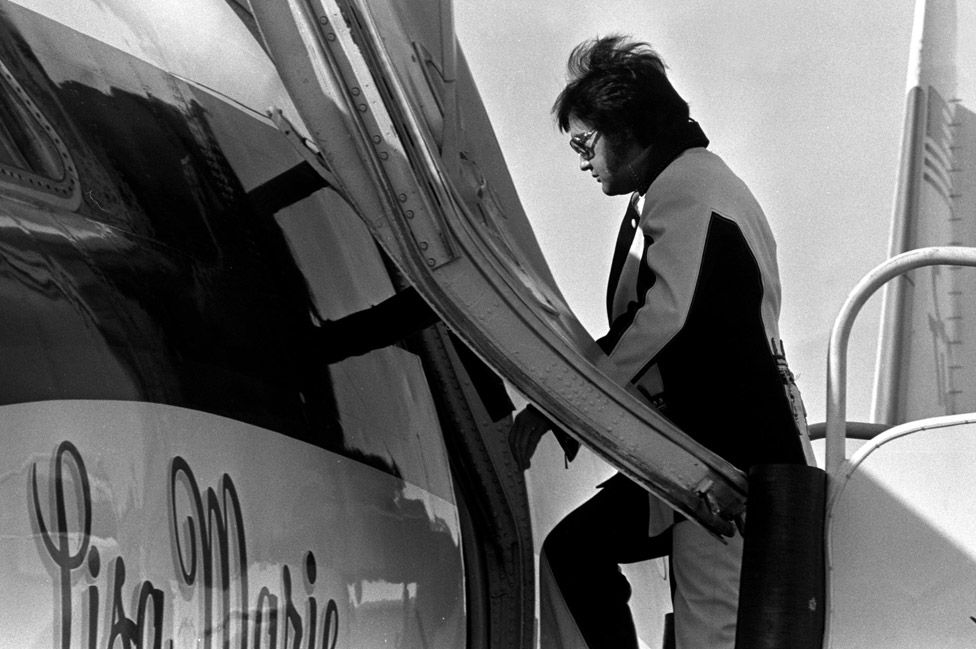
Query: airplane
186	462
254	317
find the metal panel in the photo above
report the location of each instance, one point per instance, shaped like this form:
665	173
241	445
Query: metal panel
902	559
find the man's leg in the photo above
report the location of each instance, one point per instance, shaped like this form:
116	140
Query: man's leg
706	588
584	594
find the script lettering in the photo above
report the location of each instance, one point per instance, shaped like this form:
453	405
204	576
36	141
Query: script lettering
58	541
209	526
209	553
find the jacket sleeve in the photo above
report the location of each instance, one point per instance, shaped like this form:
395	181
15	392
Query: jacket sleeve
676	227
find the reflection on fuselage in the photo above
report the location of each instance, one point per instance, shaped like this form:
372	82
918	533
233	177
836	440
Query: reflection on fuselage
170	284
197	272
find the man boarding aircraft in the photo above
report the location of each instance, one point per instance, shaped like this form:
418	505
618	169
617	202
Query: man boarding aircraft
189	461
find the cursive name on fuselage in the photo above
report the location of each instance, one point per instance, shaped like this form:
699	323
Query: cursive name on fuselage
209	548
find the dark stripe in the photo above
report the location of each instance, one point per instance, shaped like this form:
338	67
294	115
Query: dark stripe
287	188
379	326
645	276
620	324
625	237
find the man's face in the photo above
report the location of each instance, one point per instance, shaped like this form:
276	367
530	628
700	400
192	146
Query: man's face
614	164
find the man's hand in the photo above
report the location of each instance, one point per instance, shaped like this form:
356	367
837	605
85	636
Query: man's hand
527	429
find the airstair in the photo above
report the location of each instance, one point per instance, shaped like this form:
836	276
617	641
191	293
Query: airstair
900	530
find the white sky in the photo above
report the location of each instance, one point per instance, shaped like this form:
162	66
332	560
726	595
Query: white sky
804	101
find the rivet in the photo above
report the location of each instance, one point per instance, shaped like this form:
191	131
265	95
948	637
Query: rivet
324	20
424	245
409	214
384	155
362	108
403	198
355	92
431	262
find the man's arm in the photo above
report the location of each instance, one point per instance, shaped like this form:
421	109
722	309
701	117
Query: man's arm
526	432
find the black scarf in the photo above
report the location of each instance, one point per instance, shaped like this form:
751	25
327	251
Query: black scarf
672	143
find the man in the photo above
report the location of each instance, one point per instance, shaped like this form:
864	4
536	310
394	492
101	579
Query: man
693	302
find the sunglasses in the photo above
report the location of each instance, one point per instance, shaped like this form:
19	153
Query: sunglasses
580	143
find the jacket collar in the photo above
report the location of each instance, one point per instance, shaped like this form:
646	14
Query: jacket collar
671	144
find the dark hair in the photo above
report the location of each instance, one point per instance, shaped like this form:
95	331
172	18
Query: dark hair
620	87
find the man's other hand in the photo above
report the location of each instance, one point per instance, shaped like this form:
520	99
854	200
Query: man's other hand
527	429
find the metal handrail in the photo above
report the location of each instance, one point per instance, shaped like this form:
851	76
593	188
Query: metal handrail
835	452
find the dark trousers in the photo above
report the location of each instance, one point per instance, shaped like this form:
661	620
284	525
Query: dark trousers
585	551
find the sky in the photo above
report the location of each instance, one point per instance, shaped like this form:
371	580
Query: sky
805	101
